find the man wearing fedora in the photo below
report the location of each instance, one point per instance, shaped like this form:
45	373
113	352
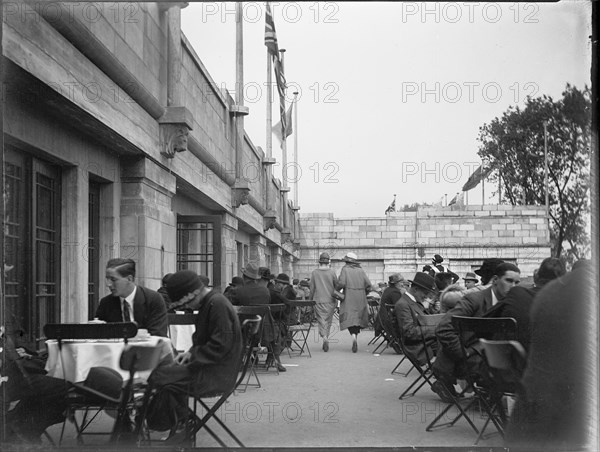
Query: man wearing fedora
322	284
354	311
210	366
470	280
129	302
252	292
255	292
413	303
449	364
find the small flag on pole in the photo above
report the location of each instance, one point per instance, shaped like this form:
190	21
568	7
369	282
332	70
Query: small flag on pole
277	129
478	175
391	207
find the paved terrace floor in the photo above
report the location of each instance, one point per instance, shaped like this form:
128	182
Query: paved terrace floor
335	399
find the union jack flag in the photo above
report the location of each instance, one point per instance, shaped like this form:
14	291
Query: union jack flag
273	47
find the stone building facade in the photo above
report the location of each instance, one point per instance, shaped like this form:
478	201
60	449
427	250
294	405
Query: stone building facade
406	241
119	143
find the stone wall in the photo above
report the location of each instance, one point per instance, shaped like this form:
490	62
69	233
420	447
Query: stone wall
405	241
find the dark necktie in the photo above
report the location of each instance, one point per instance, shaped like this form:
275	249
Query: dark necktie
126	313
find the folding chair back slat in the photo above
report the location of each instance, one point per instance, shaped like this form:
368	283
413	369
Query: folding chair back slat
66	331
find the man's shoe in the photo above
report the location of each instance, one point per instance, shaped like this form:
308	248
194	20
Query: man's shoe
354	346
325	346
280	367
443	391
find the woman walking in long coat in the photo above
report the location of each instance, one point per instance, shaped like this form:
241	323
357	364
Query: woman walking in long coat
323	281
354	313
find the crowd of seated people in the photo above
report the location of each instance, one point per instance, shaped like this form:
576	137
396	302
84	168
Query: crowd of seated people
551	316
552	410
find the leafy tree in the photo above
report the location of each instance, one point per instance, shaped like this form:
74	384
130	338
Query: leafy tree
413	207
514	147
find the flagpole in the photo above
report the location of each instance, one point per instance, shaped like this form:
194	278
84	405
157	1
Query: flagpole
284	142
295	131
482	186
546	168
269	142
239	94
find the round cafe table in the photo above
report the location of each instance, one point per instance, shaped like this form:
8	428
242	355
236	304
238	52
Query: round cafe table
77	357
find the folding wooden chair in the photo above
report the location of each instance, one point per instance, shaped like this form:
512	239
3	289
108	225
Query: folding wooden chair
135	358
423	368
470	330
505	362
277	313
387	317
62	332
251	312
250	334
298	334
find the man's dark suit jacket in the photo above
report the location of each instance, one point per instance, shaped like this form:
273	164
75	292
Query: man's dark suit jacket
449	357
517	305
407	311
149	311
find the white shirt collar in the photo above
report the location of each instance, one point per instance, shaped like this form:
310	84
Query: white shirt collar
129	299
494	299
411	296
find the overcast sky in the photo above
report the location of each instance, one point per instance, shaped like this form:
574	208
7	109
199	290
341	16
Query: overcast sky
392	95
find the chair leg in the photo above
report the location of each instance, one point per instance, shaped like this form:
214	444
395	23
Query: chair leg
462	412
211	413
405	394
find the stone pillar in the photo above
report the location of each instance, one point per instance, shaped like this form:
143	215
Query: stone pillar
229	263
276	262
75	227
287	264
148	226
258	245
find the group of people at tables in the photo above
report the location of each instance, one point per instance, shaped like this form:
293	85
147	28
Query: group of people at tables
551	407
556	298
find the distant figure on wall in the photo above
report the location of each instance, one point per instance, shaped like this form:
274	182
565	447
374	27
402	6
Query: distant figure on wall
436	268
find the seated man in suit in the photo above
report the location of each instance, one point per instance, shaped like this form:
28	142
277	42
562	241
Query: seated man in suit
413	303
517	303
449	364
129	302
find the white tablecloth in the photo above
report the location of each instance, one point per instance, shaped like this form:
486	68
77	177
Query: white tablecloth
78	357
181	336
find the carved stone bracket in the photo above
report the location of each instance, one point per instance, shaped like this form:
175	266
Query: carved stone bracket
240	193
296	244
174	128
269	219
286	236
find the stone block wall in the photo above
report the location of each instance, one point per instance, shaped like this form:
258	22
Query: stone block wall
406	241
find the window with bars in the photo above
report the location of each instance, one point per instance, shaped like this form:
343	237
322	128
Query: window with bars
32	244
93	249
199	246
